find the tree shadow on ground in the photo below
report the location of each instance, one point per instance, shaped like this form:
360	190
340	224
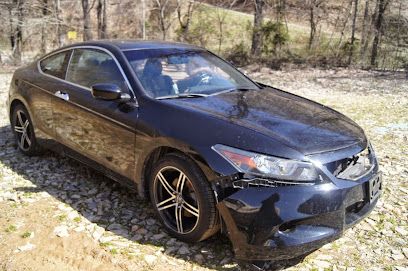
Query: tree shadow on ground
114	207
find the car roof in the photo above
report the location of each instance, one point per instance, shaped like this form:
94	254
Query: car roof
125	45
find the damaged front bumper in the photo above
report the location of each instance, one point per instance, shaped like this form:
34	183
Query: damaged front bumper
266	223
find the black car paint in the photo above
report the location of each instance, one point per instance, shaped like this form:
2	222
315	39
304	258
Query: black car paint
120	137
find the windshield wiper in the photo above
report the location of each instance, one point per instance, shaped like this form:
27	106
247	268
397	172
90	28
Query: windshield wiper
183	95
241	89
235	89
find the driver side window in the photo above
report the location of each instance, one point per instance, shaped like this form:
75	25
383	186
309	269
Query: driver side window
90	66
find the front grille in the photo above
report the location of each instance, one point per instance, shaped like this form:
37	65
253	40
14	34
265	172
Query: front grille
258	182
354	167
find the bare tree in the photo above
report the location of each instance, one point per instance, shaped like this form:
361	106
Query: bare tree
381	6
16	20
44	38
143	19
364	30
184	19
101	18
314	18
353	32
86	9
58	25
164	10
257	29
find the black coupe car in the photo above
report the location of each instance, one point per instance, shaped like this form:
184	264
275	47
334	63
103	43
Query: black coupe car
212	149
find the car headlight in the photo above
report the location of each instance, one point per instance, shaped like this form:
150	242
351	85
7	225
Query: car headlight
267	166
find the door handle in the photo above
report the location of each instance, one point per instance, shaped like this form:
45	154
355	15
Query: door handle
62	95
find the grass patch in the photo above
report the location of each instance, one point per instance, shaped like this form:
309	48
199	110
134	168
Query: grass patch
10	228
62	218
77	219
105	244
114	251
26	234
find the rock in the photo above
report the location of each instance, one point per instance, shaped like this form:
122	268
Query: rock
171	250
105	239
93	191
199	258
26	247
134	228
183	250
61	231
141	231
150	221
150	259
401	231
322	264
158	236
10	196
72	215
171	241
115	226
324	257
80	228
225	261
97	234
397	257
405	252
137	237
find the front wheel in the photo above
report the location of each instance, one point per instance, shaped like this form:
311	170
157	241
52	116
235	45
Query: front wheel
183	199
24	131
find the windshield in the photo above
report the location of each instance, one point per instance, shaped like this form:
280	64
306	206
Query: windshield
178	72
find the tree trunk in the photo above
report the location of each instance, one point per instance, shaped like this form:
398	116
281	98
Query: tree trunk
184	21
353	32
257	30
18	33
57	16
398	37
87	35
382	6
312	25
43	28
101	18
144	19
364	30
221	20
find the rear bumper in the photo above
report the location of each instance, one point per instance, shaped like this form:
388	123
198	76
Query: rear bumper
285	222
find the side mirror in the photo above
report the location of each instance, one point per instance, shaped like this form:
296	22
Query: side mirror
109	92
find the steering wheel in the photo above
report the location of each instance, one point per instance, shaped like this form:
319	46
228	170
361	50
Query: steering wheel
204	78
201	78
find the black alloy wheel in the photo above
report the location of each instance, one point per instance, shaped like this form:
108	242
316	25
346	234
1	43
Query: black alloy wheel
183	199
24	131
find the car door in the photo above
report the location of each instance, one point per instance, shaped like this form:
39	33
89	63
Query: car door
41	87
98	129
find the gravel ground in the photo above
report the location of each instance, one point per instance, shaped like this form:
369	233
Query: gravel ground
56	214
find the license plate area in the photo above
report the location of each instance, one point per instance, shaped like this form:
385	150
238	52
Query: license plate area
374	188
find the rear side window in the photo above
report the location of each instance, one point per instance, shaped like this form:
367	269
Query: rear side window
89	66
55	65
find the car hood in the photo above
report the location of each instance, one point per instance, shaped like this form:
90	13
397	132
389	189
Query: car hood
299	123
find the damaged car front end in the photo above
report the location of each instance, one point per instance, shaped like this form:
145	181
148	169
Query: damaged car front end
311	203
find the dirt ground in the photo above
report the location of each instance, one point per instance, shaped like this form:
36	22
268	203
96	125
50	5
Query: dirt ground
56	214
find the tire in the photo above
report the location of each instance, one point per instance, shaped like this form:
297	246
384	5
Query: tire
23	130
183	199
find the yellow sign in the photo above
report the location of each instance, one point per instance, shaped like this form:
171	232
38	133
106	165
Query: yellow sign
72	35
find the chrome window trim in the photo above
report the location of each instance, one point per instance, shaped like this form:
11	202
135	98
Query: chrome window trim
86	109
69	62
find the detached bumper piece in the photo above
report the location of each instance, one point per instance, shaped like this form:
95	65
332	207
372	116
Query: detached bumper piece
284	222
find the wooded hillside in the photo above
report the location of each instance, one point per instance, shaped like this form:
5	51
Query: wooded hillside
360	33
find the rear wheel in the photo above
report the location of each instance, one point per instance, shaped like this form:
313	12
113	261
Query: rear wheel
24	131
183	199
